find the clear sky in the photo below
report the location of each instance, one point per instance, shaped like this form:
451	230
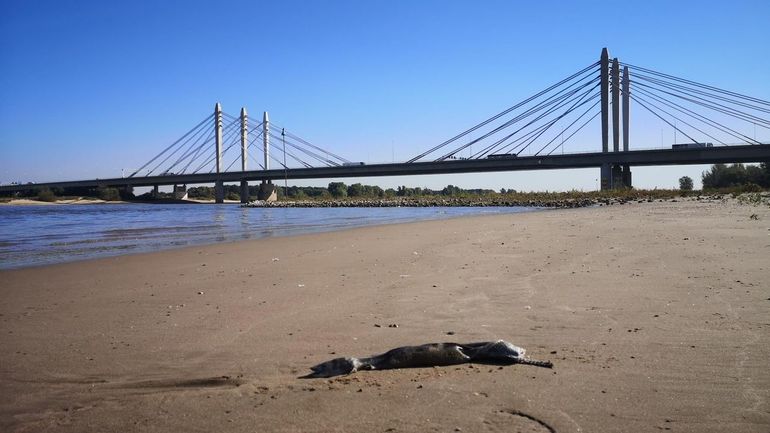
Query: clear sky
89	88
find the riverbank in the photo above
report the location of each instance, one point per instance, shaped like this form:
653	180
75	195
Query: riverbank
654	314
553	203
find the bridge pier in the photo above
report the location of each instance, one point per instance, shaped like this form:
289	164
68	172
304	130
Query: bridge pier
267	191
244	191
127	192
611	87
219	191
244	149
180	192
605	173
155	191
626	87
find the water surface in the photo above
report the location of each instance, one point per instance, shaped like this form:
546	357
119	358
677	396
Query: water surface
39	235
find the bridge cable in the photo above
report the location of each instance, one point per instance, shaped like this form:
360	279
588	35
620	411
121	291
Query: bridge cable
750	118
691	114
305	151
686	89
575	132
192	148
553	99
206	119
234	138
561	102
531	136
694	83
306	143
549	101
578	103
504	112
177	149
527	136
680	120
706	106
661	118
196	153
568	127
237	157
274	158
227	132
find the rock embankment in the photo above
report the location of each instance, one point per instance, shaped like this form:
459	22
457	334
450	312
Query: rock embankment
473	202
439	202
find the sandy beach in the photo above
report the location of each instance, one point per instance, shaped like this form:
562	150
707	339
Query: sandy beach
655	315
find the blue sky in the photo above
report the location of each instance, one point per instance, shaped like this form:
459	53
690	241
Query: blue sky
89	88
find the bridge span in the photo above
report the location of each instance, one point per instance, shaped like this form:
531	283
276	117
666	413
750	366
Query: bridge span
525	136
657	157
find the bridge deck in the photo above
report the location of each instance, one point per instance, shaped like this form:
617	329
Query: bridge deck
713	155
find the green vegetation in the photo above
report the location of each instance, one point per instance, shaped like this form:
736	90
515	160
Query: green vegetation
338	190
685	183
748	178
46	195
108	194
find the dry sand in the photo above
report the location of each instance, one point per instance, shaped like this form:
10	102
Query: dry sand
656	316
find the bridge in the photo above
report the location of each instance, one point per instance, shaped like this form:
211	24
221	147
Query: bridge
522	137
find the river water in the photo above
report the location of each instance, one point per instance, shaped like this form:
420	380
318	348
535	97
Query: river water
40	235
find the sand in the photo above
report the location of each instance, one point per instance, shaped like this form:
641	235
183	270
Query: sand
656	316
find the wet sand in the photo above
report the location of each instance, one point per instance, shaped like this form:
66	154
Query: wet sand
656	316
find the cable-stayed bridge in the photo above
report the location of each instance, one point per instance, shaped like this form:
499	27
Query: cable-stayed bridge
530	135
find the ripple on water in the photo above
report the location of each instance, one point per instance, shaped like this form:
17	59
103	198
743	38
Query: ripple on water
39	235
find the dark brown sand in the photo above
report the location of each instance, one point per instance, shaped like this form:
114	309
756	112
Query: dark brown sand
656	316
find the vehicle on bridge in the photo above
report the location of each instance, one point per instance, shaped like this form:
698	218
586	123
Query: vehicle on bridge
502	156
691	145
352	164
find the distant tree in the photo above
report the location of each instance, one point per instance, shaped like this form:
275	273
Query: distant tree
451	190
685	183
108	194
356	190
46	194
725	176
338	189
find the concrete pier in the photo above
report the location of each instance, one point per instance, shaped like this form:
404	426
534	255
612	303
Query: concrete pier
267	191
626	124
244	153
266	139
604	74
155	191
219	192
180	192
617	171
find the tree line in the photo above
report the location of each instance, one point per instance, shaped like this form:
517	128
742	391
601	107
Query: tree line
737	175
339	190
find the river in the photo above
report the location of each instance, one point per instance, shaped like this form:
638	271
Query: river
41	235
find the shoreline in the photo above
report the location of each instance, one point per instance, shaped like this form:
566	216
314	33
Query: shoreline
654	315
546	199
174	247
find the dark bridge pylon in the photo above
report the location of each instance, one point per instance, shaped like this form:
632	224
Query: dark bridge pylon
705	115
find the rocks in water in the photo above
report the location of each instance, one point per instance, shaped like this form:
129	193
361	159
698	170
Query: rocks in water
425	202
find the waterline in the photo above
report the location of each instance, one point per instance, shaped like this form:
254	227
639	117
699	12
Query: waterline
41	235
